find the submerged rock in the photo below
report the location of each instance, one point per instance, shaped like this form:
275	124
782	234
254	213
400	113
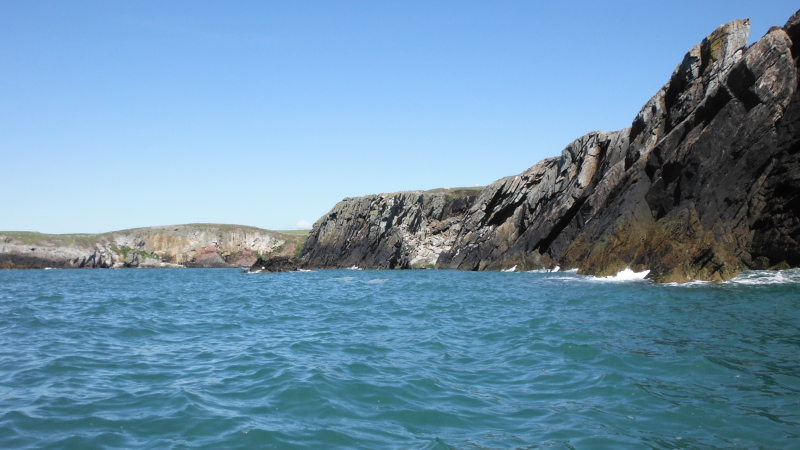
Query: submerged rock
274	264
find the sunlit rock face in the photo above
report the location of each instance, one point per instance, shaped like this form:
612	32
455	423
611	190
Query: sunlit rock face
704	183
194	245
388	231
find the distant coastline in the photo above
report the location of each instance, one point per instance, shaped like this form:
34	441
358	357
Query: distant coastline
172	246
705	183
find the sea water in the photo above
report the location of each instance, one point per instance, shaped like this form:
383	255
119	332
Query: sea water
215	358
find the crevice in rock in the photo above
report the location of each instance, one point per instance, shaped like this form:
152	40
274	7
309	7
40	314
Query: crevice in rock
560	225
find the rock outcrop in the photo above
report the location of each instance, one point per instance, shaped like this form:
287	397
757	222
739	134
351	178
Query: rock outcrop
194	245
274	264
704	183
388	231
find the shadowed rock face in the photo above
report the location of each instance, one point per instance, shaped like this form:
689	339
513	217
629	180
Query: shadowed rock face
274	264
704	183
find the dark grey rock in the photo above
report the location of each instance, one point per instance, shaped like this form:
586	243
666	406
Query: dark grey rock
389	231
705	183
274	264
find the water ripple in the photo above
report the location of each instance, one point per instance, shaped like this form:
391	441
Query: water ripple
405	359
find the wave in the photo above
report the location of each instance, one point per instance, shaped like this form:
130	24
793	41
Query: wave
690	283
763	277
553	270
623	276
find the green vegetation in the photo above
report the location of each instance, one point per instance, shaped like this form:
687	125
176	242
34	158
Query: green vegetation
124	250
36	238
300	244
295	232
460	191
89	240
146	255
208	227
296	237
454	193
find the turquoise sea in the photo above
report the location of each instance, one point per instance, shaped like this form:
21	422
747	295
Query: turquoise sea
215	358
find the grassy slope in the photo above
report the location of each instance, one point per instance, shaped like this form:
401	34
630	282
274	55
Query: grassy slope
461	191
88	240
294	232
34	237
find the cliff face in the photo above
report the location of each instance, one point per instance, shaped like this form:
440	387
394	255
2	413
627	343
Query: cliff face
704	183
389	231
195	245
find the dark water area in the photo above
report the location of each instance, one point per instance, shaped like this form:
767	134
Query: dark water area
396	359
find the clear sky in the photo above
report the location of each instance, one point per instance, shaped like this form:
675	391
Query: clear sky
119	114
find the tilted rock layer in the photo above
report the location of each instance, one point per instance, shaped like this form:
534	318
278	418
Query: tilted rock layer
704	183
388	231
194	245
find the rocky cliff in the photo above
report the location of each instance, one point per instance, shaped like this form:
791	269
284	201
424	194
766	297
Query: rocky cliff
388	231
704	183
194	245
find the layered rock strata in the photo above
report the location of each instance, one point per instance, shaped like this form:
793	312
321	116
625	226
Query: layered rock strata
388	231
704	183
195	245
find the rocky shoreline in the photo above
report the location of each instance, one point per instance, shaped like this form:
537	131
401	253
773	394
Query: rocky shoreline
703	184
175	246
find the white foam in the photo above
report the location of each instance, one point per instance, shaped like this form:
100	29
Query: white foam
354	267
624	275
304	270
690	284
629	275
553	270
512	269
762	277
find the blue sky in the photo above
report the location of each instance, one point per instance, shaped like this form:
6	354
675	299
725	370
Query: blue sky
117	115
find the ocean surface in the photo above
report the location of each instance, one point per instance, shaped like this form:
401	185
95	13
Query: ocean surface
215	358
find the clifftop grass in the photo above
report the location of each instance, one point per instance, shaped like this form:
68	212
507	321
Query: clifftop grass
36	238
89	239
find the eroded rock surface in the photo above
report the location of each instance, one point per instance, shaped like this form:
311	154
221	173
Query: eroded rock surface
704	183
274	264
194	245
388	231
